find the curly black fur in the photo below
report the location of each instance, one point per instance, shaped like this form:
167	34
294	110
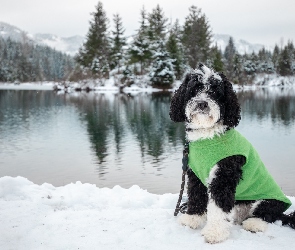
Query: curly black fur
222	93
223	186
288	219
178	101
197	195
231	114
270	210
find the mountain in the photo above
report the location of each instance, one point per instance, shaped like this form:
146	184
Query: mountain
15	34
68	45
241	45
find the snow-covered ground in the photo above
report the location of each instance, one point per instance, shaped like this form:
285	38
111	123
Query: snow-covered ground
28	86
82	216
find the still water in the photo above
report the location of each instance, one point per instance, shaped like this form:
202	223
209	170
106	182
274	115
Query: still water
118	139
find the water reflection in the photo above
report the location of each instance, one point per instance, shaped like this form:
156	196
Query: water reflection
146	116
277	104
119	139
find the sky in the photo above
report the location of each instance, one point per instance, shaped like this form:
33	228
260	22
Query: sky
266	22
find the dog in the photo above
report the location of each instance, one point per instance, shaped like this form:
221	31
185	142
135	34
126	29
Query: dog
227	181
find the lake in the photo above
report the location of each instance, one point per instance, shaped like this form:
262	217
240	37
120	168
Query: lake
121	139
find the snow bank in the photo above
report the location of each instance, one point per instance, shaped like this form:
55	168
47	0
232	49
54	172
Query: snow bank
28	86
141	85
82	216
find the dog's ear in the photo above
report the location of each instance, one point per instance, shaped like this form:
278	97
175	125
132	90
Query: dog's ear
177	105
232	112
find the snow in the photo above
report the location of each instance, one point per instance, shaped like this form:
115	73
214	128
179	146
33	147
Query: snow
82	216
242	46
28	86
142	84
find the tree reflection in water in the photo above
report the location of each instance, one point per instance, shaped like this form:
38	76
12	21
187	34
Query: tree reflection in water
132	139
113	118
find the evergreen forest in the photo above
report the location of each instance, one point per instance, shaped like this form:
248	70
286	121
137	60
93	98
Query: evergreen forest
28	62
158	53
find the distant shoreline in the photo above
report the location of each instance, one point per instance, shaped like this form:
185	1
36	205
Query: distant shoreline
260	81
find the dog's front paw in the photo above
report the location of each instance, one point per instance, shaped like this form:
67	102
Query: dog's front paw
193	221
215	233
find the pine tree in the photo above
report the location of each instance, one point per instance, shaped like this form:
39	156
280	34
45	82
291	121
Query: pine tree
249	65
264	62
95	52
284	62
238	76
291	51
175	49
229	55
196	37
157	24
276	56
216	57
28	62
118	43
140	49
230	50
162	73
143	29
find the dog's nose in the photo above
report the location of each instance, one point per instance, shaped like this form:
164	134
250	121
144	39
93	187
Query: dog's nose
202	105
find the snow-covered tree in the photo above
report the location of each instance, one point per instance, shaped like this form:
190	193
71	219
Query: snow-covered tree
196	37
176	50
229	56
285	60
276	56
157	24
265	64
140	49
28	62
162	73
118	43
216	59
97	46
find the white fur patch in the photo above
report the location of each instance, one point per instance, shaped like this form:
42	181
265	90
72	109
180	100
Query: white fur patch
218	222
218	226
212	174
200	119
205	133
254	206
206	73
203	124
255	225
193	221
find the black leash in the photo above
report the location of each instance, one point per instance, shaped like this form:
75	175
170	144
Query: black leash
182	208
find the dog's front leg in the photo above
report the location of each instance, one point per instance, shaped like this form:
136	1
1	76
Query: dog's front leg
195	216
222	182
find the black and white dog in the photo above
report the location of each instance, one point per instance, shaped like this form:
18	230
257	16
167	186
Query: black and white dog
208	104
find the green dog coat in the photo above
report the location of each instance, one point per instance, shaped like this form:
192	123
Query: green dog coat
256	182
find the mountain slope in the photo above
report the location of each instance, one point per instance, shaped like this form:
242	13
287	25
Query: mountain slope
71	45
68	45
241	45
15	34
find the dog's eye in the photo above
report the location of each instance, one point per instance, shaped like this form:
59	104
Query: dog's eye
213	89
216	89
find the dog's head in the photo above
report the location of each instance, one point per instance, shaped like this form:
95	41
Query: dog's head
204	99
